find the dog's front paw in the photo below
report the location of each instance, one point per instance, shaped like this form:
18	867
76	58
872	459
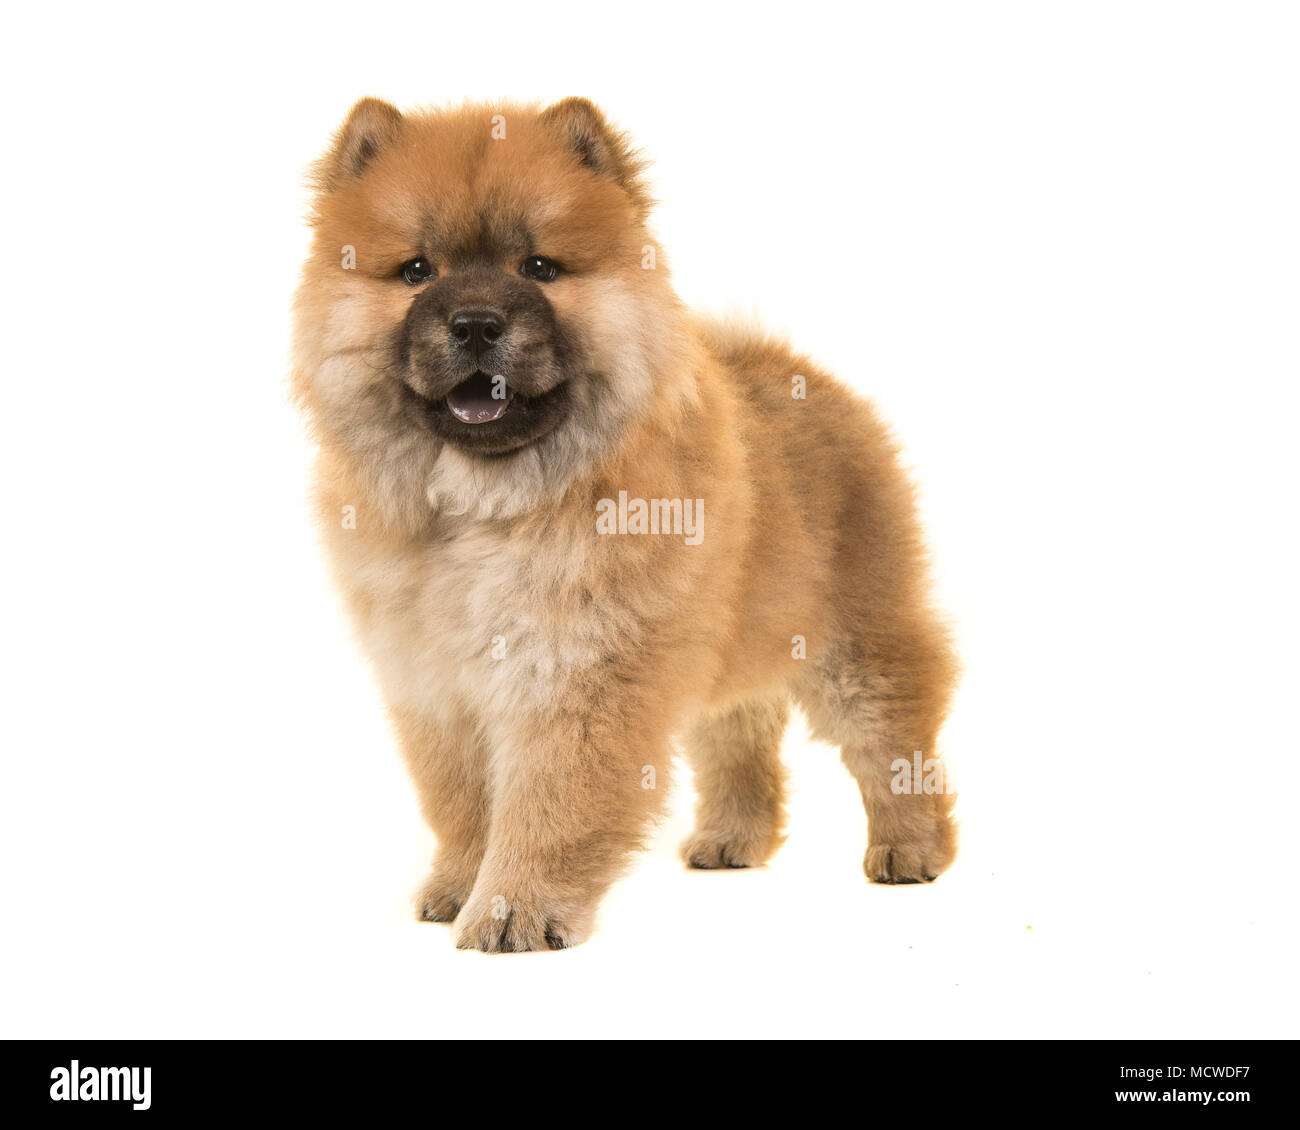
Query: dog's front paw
441	897
495	923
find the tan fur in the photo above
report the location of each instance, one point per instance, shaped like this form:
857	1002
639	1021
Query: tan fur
535	669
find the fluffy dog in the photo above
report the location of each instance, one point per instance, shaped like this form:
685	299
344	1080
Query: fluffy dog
572	519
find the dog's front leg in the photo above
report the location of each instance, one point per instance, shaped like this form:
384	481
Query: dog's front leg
573	794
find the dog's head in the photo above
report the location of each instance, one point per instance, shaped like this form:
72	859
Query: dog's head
483	307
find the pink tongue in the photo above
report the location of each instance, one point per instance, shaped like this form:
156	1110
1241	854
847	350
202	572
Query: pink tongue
473	402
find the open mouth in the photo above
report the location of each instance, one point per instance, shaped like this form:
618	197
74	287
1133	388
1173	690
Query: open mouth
480	399
485	415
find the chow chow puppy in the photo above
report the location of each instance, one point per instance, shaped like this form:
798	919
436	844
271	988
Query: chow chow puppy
571	519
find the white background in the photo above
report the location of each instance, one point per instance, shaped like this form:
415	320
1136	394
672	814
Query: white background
1057	244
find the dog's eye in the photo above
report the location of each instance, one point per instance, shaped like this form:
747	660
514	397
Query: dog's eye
417	270
535	267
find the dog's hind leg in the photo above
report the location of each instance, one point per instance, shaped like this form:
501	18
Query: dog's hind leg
740	784
883	700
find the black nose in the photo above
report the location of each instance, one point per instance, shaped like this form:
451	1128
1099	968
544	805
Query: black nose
477	329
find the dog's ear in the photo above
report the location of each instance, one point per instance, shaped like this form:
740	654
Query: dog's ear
371	125
598	146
